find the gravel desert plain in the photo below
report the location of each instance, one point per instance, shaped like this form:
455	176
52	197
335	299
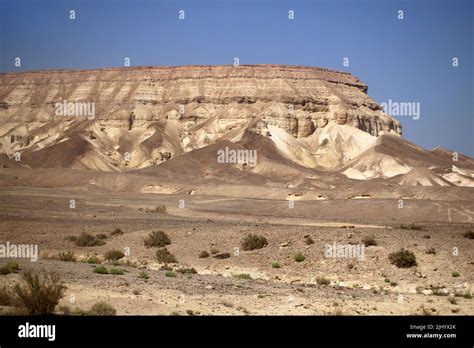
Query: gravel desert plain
222	190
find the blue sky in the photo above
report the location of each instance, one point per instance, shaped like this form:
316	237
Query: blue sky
407	60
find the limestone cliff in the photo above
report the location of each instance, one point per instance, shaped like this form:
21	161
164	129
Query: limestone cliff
146	115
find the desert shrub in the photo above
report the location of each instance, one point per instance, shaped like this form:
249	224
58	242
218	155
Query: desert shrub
452	300
187	271
455	274
92	260
87	240
100	270
412	226
170	274
299	257
275	264
117	231
157	239
143	275
308	240
160	209
39	296
322	281
9	267
101	236
164	256
242	276
431	251
5	296
203	254
402	258
114	255
369	241
116	271
102	308
67	256
254	241
469	235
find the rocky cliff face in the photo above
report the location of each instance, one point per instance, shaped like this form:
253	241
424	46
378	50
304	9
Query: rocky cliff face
144	116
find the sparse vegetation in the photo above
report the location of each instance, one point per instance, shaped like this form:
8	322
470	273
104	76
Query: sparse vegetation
412	226
114	255
203	254
86	240
39	296
101	236
157	239
100	270
431	251
117	231
92	260
402	258
308	240
102	308
369	241
254	241
5	296
9	267
116	271
242	276
164	256
469	235
299	257
453	300
143	275
67	256
187	271
275	264
322	281
455	274
170	274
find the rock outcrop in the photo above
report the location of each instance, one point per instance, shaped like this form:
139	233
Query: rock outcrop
150	114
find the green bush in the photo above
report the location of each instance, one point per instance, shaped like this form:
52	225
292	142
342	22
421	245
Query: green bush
455	274
299	257
116	271
402	258
100	270
254	241
157	239
92	260
143	275
170	274
9	267
275	264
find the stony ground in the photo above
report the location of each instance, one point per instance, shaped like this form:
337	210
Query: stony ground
372	286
